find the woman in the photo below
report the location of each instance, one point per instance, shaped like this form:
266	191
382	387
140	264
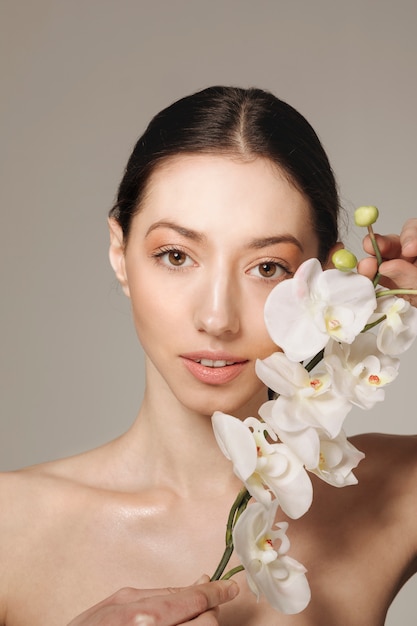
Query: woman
225	195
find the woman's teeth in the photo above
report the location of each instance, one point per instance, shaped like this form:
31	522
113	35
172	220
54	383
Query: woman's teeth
210	363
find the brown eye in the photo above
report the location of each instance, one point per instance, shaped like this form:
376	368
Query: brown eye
176	257
267	270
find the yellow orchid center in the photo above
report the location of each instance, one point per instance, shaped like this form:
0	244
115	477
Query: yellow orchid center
333	324
373	379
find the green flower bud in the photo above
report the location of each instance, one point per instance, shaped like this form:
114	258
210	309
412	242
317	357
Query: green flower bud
344	260
366	215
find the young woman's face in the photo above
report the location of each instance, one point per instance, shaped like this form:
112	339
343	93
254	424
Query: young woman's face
213	237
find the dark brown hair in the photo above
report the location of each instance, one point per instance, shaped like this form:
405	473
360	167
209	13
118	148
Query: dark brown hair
241	122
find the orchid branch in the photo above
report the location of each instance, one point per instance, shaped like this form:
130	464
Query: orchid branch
237	509
396	292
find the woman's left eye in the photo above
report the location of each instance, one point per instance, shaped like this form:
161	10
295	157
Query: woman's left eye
268	269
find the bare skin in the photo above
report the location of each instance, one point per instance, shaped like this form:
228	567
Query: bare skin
162	607
146	513
75	531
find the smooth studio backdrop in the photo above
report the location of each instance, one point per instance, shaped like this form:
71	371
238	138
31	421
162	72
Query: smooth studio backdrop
80	79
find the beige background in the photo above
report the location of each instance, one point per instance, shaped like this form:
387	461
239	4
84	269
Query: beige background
79	81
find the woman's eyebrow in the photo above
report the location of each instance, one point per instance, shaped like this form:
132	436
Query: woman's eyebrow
185	232
257	243
270	241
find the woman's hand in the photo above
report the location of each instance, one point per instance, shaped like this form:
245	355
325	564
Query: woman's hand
399	253
161	607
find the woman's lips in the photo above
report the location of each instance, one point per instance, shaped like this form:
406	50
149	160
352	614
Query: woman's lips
216	370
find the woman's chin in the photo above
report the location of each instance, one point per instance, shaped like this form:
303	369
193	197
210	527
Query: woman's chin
237	404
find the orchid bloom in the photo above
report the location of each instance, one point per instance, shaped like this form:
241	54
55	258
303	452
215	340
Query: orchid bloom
398	331
263	467
269	570
337	459
304	312
330	458
360	370
303	440
305	399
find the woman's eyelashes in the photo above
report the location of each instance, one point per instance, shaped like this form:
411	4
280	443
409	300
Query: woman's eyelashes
175	258
270	270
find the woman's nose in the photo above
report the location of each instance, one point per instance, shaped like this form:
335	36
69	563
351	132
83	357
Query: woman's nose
217	311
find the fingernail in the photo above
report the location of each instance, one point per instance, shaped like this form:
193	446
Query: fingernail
203	579
233	589
144	620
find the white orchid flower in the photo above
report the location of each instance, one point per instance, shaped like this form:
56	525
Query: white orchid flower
303	312
330	458
338	457
304	442
262	551
360	371
398	331
307	399
263	467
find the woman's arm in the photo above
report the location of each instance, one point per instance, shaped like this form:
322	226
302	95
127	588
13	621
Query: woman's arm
161	607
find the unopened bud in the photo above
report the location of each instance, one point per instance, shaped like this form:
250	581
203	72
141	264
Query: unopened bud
344	260
366	215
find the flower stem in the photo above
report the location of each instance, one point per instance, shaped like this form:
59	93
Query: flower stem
238	506
232	572
396	292
314	361
372	324
377	254
223	562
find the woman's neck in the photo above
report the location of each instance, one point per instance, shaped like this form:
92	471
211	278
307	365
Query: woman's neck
171	447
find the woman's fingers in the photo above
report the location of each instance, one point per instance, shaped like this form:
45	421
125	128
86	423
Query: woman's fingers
179	606
161	607
368	267
408	239
389	245
403	246
399	253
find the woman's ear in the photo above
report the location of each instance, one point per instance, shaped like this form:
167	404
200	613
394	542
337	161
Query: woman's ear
117	254
328	265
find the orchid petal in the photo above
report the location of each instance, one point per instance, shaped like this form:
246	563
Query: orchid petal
338	457
302	313
236	442
360	371
269	570
399	330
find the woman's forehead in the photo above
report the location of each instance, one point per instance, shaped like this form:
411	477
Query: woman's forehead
208	180
225	197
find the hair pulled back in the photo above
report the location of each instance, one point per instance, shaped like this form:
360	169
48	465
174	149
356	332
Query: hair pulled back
243	122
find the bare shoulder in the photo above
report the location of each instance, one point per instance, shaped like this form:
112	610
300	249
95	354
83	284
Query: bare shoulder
390	470
24	509
31	495
394	455
38	505
43	488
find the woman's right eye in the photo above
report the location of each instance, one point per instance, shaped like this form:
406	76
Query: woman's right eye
174	257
